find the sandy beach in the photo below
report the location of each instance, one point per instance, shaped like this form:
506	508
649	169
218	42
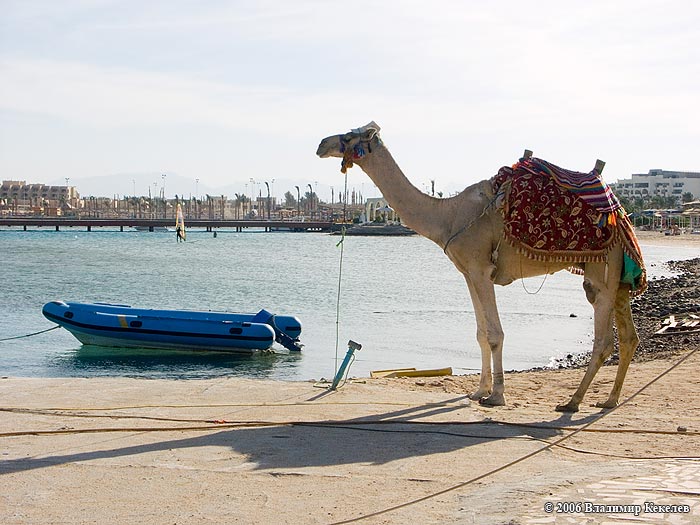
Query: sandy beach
660	239
118	450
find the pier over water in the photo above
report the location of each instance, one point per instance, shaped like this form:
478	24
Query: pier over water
151	224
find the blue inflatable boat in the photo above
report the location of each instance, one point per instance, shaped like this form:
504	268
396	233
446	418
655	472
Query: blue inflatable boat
123	326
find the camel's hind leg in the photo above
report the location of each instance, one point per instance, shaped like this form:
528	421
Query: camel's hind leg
601	295
628	339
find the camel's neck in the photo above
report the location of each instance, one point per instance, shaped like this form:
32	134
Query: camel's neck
421	212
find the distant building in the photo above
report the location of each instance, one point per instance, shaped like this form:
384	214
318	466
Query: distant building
19	197
659	183
376	208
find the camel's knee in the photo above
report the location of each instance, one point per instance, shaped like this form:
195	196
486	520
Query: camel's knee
633	342
591	291
627	333
629	341
492	339
598	357
603	344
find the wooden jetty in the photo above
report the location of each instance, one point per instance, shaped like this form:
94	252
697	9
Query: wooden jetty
89	223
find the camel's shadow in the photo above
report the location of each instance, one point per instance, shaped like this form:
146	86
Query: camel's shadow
376	439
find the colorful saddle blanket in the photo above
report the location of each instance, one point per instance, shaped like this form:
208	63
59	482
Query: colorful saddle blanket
553	214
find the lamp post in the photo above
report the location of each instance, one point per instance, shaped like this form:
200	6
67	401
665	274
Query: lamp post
165	208
311	201
154	201
68	191
252	193
318	211
298	201
268	200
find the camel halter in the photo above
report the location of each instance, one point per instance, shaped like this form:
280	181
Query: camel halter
358	151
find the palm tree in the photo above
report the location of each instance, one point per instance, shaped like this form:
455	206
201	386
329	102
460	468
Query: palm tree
238	204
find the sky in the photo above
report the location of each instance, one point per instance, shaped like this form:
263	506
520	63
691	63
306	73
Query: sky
115	94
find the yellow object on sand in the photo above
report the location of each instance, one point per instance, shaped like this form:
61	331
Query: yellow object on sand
411	372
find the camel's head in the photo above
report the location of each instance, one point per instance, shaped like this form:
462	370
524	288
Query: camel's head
351	146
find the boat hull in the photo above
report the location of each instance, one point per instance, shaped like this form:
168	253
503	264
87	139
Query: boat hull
124	326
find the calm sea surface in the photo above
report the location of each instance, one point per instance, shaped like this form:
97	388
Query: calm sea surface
400	298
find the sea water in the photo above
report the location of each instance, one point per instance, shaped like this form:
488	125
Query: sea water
399	297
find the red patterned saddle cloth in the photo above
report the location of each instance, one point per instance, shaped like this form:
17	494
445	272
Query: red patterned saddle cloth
552	214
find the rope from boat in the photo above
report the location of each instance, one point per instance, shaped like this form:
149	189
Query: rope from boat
30	335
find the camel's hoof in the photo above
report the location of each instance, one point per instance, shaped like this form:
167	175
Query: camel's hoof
479	395
608	404
492	401
569	407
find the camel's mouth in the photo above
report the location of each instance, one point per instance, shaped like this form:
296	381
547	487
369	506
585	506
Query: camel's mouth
329	147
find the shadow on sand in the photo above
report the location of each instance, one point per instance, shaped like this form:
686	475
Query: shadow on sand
376	439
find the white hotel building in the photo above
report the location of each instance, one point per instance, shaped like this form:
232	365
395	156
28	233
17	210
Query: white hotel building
659	183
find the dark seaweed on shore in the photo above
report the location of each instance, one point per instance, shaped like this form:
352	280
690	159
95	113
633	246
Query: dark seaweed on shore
679	295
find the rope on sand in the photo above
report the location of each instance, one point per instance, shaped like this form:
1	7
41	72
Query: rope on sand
359	425
520	459
222	424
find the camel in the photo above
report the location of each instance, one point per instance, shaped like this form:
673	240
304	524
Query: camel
469	229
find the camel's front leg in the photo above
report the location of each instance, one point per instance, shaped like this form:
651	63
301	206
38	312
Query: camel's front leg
489	334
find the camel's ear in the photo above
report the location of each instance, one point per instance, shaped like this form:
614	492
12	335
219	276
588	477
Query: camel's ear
368	131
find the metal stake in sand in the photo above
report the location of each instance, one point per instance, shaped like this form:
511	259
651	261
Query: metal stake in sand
352	346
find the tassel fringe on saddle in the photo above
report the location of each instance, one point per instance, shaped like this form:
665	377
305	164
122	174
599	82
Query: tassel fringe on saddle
555	215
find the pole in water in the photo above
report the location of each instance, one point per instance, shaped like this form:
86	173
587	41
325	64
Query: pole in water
352	346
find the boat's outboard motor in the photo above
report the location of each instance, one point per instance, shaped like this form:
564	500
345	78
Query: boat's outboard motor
281	336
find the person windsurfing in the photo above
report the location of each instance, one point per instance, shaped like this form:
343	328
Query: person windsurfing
180	232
